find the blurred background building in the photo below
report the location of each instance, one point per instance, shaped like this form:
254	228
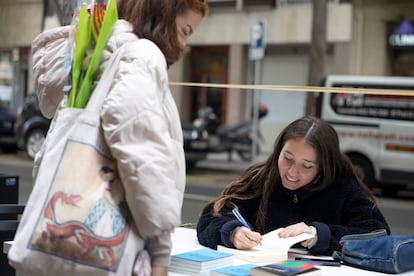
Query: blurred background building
363	37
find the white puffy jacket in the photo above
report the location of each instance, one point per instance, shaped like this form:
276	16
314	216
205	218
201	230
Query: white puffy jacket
140	122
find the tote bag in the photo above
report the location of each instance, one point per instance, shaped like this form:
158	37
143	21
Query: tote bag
76	221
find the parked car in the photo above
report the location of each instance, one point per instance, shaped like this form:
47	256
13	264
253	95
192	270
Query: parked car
31	126
7	131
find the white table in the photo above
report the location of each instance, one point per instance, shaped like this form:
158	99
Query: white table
185	239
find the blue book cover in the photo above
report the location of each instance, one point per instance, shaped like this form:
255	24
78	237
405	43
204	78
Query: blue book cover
234	270
202	255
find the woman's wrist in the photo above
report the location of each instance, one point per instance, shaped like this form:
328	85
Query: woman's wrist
313	231
232	234
312	241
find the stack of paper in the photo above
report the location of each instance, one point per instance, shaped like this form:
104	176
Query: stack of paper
199	262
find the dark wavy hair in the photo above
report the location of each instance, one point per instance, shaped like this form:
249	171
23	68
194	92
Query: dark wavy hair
259	181
155	20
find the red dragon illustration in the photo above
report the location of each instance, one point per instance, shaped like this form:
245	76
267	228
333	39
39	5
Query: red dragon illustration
86	239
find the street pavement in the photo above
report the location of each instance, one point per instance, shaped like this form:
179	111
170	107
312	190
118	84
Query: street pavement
18	159
217	170
221	161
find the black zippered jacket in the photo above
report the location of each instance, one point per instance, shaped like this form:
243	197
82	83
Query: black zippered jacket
342	208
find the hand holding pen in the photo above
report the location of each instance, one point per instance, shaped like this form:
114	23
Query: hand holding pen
244	237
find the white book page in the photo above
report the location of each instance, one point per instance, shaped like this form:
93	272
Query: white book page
272	241
273	248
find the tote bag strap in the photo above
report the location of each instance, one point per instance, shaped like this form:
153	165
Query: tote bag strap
104	84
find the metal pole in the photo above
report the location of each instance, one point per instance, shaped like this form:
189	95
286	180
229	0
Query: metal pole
317	50
255	103
256	53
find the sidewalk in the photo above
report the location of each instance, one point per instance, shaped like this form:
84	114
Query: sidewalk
17	159
220	162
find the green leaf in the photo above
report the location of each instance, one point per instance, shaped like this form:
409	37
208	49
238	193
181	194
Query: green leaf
82	41
111	16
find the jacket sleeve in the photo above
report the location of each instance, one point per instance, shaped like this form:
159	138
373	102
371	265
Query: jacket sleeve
137	130
50	51
213	231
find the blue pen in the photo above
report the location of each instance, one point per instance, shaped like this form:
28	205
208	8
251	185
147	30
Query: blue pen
240	218
236	212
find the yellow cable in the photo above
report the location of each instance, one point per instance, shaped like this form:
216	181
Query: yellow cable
322	89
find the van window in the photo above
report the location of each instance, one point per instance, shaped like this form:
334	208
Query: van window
394	107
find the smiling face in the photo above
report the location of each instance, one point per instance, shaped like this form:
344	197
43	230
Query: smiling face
187	23
298	165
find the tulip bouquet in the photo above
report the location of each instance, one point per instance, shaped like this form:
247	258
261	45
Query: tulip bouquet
93	23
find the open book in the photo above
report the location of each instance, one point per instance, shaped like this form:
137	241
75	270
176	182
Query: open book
273	248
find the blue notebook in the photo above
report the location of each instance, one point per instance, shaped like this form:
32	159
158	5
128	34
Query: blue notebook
233	270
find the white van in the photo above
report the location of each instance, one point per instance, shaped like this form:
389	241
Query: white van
376	131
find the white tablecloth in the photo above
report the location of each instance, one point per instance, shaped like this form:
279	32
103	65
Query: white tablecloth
185	239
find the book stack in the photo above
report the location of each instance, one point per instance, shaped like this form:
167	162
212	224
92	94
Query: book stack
287	268
199	262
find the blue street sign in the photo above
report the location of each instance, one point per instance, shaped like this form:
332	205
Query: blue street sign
256	46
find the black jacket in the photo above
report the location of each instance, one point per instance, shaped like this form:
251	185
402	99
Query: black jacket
340	209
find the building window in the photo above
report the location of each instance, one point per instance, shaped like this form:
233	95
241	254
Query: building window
238	4
251	3
284	3
221	3
401	47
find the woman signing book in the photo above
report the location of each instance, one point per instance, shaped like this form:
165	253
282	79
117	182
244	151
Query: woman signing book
305	186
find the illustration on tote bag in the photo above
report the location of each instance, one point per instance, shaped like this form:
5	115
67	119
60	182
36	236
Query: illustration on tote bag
84	217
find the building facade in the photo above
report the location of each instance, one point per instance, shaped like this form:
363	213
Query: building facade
358	42
364	37
287	36
20	22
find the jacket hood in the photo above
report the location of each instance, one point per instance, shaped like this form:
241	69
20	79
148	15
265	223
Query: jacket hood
121	34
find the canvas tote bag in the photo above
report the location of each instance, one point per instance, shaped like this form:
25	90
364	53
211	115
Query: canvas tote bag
76	221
